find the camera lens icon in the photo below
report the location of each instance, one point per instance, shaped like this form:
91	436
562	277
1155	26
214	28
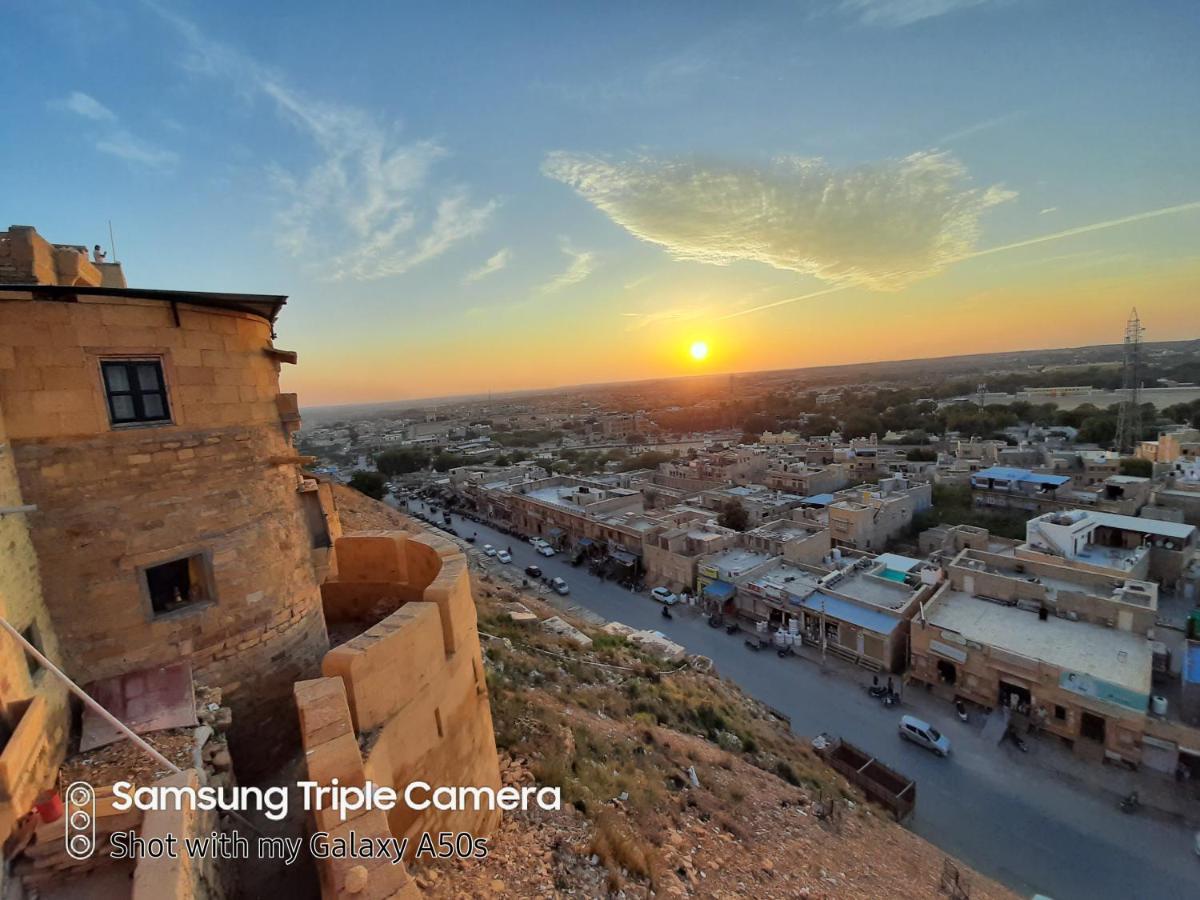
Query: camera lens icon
80	833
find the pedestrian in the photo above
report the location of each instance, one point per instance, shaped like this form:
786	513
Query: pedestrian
98	255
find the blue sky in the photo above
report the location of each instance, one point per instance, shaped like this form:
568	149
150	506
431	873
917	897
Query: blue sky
469	196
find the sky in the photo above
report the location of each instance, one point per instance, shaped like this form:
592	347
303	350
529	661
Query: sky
470	197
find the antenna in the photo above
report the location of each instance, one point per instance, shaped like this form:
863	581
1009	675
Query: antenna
1129	418
112	244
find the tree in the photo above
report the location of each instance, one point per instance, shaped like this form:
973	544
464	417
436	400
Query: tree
401	461
921	454
733	515
445	461
1139	468
369	483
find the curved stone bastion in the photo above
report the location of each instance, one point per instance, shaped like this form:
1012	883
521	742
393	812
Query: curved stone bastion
403	699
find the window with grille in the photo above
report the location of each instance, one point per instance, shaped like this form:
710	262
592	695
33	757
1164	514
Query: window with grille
136	391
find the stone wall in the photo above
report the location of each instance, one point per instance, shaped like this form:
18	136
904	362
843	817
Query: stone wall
33	704
412	684
215	482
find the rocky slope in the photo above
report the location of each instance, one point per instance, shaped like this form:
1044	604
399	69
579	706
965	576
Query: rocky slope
622	733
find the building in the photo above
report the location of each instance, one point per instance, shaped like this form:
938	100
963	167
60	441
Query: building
1171	446
172	521
800	478
153	513
672	552
859	610
869	516
793	540
1065	648
1017	482
1128	546
760	502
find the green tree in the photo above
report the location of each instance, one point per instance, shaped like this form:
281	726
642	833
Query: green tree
921	454
445	461
401	461
369	483
733	515
1138	468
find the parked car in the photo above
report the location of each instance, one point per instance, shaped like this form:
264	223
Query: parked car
536	541
504	556
533	571
546	550
489	549
924	735
664	596
560	586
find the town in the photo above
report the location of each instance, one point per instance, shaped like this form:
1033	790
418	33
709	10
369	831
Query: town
609	451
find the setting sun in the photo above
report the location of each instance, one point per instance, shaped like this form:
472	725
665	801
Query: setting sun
699	350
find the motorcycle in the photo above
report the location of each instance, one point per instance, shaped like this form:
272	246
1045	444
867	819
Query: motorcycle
1131	803
714	621
731	628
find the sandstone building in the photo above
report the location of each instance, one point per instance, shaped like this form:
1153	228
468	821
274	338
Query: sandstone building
153	509
148	429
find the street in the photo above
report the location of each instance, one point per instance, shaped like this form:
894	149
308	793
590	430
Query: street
985	804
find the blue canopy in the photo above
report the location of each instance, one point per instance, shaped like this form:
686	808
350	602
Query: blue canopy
720	590
837	608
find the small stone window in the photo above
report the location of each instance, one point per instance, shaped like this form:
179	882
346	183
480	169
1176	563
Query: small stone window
1060	713
179	584
136	391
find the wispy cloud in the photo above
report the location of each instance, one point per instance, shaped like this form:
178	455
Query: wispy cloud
111	137
881	226
1087	229
675	314
85	105
897	13
368	206
1181	208
495	263
1047	210
978	128
582	264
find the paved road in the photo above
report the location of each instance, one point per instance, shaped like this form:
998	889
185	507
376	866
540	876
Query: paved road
986	805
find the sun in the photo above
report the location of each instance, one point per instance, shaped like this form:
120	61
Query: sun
699	350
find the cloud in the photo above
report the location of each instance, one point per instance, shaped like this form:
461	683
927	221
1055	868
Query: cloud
1178	209
898	13
880	226
583	263
978	127
111	137
671	314
1047	210
85	105
494	264
123	145
367	206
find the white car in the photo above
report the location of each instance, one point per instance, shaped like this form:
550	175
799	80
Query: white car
504	556
664	596
536	541
545	550
489	549
560	586
924	735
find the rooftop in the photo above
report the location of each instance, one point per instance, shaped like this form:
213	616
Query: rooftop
1115	656
736	560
